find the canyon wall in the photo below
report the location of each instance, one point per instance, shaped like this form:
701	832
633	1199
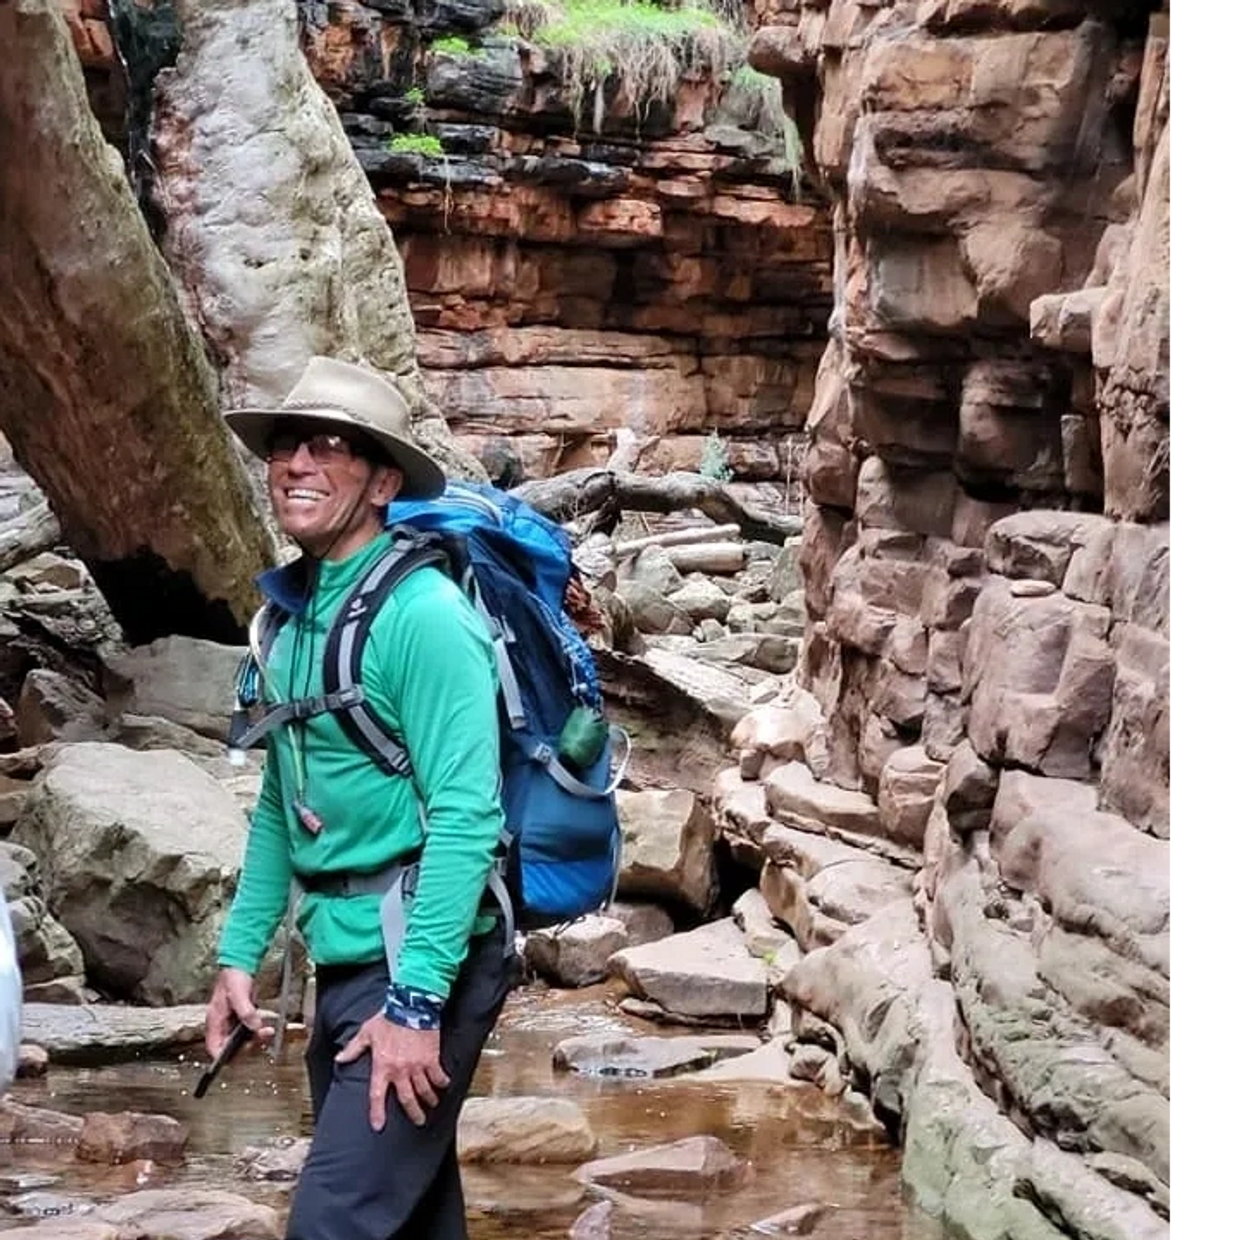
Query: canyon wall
987	567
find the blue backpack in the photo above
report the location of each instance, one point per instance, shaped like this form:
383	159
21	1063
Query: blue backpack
561	844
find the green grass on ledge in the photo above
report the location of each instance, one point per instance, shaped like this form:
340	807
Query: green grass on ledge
649	48
415	144
452	45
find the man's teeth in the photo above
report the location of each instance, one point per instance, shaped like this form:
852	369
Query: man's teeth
299	493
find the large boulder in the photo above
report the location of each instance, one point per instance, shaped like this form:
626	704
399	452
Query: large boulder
668	848
110	401
139	853
182	679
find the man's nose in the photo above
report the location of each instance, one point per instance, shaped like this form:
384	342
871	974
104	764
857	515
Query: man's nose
302	461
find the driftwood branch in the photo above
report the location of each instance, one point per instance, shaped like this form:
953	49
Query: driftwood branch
677	538
25	536
568	496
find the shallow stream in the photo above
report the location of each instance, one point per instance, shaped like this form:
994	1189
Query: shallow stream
798	1148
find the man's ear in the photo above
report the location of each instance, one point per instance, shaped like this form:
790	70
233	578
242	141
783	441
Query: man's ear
385	485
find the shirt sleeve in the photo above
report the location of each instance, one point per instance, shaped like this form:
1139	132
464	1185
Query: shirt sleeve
262	890
441	658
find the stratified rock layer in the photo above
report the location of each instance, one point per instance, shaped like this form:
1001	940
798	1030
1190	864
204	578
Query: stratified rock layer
645	264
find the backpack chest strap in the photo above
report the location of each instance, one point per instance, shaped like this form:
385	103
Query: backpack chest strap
297	710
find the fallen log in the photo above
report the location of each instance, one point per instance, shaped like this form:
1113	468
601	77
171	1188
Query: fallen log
722	558
580	491
36	530
677	538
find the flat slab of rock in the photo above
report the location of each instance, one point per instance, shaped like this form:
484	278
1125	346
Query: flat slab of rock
769	1062
794	795
524	1130
191	1213
705	972
695	1164
720	693
603	1055
23	1125
98	1032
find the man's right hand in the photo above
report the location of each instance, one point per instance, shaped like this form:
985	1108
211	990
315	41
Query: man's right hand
232	1001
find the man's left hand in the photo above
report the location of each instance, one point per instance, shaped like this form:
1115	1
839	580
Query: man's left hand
406	1060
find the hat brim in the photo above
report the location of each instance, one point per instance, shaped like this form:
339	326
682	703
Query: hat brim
423	477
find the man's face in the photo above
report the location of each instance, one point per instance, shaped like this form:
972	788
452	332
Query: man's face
326	494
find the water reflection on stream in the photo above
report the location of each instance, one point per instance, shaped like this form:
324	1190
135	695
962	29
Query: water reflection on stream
797	1147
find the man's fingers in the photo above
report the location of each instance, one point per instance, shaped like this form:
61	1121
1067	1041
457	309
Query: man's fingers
405	1091
245	1011
353	1050
437	1076
424	1089
216	1032
378	1100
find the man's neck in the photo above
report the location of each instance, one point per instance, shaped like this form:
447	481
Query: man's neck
342	546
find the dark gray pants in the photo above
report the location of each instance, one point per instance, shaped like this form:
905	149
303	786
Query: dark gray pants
403	1182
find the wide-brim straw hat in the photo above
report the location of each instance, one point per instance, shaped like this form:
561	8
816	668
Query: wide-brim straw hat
347	394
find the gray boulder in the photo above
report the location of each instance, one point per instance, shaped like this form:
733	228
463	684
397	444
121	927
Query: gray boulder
138	854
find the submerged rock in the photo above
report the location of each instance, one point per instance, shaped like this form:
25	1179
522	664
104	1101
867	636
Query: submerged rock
693	1165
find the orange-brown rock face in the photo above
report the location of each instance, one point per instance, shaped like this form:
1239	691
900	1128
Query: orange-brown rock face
640	265
987	564
999	352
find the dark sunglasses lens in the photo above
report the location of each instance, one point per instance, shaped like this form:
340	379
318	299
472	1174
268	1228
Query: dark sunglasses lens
282	445
323	447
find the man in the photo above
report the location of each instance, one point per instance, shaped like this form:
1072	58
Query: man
390	1057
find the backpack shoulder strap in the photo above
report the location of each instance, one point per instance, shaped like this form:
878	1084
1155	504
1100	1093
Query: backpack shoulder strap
342	659
244	734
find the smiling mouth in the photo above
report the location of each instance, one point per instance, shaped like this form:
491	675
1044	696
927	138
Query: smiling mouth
303	494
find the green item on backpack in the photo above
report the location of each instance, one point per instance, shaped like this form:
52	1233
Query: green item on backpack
582	738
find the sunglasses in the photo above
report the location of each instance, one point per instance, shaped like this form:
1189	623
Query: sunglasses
325	448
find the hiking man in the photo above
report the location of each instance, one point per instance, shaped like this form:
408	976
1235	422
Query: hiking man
393	1047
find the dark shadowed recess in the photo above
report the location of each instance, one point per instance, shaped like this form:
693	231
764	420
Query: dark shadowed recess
150	600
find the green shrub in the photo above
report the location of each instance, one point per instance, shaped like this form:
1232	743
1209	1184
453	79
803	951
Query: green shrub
452	45
648	48
416	96
415	144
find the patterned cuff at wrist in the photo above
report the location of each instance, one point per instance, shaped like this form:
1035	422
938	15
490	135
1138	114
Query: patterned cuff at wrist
412	1009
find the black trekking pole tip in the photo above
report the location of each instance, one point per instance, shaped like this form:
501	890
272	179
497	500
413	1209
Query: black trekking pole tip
240	1035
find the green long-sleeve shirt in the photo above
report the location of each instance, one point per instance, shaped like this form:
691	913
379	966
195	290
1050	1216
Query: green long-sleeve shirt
429	671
